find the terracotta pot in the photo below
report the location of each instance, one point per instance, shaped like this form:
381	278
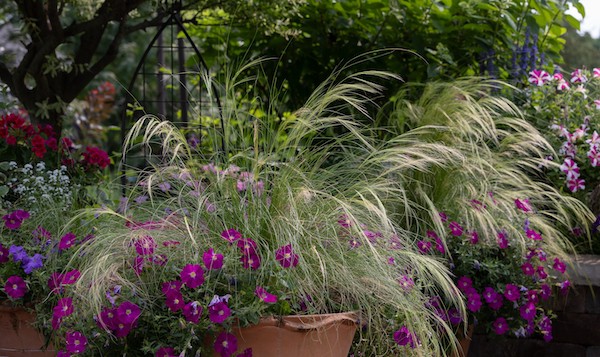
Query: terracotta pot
326	335
464	342
18	337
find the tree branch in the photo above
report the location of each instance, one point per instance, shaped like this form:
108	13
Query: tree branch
53	17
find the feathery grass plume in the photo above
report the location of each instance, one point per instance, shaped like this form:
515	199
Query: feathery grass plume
307	190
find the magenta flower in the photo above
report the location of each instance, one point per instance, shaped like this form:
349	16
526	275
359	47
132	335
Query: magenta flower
538	77
523	205
231	235
596	72
455	229
570	168
443	216
545	292
67	241
489	294
192	312
564	287
174	301
500	326
166	352
406	282
55	282
75	342
169	286
424	247
138	265
354	243
64	307
473	302
532	296
63	353
404	337
145	245
344	221
122	329
528	311
247	246
128	312
527	269
192	275
464	283
219	312
107	320
4	254
71	277
226	344
250	261
559	265
160	259
541	272
454	316
14	219
577	76
531	234
439	246
511	292
264	295
502	240
286	257
474	237
394	242
496	302
212	260
15	287
171	243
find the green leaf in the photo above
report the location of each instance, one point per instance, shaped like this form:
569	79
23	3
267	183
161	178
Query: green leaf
571	20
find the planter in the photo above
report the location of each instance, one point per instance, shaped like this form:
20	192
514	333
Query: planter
464	342
18	337
326	335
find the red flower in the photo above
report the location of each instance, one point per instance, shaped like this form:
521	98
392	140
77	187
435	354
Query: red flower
94	156
37	146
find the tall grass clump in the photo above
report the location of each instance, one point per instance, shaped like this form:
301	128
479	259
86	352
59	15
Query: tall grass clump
289	208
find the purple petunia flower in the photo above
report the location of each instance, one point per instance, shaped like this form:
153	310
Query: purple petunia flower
231	235
75	342
219	312
502	240
247	246
14	219
192	275
174	285
107	320
545	292
473	302
474	237
67	241
531	234
4	253
454	316
145	245
528	269
511	292
174	301
264	295
559	265
250	261
192	312
18	253
424	247
500	326
528	311
455	228
404	337
128	312
564	287
523	205
166	352
286	257
15	287
64	307
32	263
464	283
541	272
212	260
226	344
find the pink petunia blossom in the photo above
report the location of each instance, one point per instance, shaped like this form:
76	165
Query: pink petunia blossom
511	292
174	301
192	312
212	260
219	312
67	241
596	73
192	275
145	245
456	229
528	311
523	205
231	235
577	76
286	257
15	287
570	168
264	295
128	312
538	77
559	265
404	337
75	342
576	185
225	344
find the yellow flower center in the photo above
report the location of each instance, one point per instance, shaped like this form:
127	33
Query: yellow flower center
193	274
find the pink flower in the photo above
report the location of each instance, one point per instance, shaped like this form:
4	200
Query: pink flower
225	344
500	326
464	283
424	247
406	282
577	76
169	286
75	342
562	85
538	77
67	241
64	307
15	287
264	295
523	205
212	260
192	275
439	246
564	287
473	301
138	265
231	235
596	72
219	312
570	167
145	245
247	246
559	265
541	272
502	240
545	292
576	185
174	301
286	257
474	237
531	234
192	312
14	219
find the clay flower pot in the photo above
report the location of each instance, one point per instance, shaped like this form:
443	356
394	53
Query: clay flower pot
18	337
326	335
